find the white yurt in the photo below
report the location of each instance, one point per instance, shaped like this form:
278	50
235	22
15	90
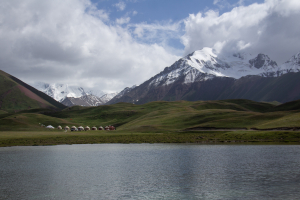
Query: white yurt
80	128
73	128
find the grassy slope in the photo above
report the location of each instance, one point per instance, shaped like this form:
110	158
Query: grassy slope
175	116
159	116
153	122
13	99
49	100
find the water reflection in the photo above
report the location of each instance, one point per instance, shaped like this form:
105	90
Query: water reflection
150	171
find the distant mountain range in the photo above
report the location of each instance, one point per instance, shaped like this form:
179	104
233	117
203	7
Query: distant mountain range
73	95
206	75
15	95
201	75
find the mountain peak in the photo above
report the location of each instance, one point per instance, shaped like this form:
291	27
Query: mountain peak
262	60
295	59
204	54
74	95
208	70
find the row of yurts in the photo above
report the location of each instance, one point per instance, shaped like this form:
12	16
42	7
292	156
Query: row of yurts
87	128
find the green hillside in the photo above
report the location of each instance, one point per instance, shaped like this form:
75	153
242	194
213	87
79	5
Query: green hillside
162	121
162	116
16	95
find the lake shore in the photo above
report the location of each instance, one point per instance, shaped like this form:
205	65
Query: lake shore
39	138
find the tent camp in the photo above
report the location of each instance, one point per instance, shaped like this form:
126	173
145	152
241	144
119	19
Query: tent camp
73	128
49	126
80	128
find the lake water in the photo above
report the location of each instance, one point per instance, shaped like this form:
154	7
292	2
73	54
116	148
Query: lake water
150	171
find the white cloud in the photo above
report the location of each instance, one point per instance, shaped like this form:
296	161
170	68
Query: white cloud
123	20
73	42
120	6
139	31
271	27
70	42
222	4
134	13
157	31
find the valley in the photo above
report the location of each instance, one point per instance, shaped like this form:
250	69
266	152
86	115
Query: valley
220	121
201	98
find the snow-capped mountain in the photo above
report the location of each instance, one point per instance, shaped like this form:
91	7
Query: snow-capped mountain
105	98
74	95
60	91
87	100
124	91
201	66
95	92
206	64
292	65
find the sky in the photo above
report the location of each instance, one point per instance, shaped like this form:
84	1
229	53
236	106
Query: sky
112	44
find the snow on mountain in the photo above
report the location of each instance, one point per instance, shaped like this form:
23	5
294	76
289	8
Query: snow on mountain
235	65
107	97
74	95
292	65
124	91
96	92
60	91
206	64
86	100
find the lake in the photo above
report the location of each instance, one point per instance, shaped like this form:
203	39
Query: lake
150	171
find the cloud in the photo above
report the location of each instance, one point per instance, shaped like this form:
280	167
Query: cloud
72	42
120	6
134	13
222	4
123	20
271	27
159	31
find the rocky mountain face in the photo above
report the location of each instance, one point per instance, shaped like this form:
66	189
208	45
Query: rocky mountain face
73	95
205	75
86	100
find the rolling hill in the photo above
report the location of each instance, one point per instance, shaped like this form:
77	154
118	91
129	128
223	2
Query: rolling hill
236	120
15	95
164	116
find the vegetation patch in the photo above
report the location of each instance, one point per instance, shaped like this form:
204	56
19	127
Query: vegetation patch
171	122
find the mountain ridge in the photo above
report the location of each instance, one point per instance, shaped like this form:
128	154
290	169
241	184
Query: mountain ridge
16	95
179	80
74	95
